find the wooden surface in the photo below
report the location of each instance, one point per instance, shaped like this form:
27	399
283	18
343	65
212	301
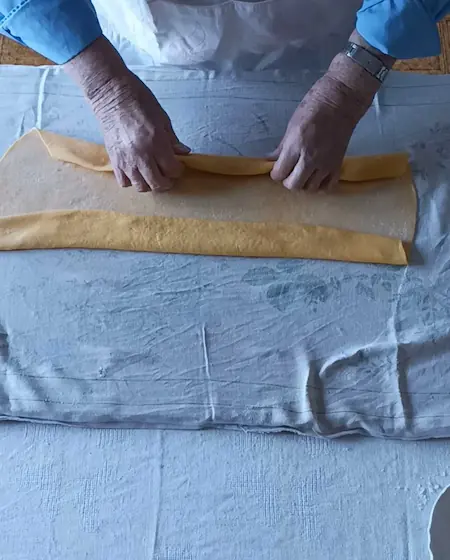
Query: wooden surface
12	53
435	64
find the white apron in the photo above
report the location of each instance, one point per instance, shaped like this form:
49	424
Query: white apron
231	34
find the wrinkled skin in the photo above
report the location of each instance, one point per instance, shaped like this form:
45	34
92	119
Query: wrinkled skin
138	135
310	154
142	144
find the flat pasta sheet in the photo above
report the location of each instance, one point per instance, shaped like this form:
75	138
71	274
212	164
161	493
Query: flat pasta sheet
48	203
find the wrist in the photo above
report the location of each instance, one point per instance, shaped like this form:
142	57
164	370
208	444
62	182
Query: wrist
359	84
97	69
358	39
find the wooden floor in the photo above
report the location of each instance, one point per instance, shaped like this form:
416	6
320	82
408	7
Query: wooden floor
12	53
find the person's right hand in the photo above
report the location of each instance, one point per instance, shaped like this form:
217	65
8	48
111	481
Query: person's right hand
138	133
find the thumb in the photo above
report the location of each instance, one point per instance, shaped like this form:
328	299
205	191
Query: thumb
178	146
181	149
273	156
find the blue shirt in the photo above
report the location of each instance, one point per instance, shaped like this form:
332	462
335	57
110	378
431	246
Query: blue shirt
60	29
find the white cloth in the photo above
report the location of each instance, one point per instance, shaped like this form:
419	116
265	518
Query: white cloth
148	494
230	34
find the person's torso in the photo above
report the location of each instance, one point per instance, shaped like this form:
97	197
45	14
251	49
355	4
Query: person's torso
232	34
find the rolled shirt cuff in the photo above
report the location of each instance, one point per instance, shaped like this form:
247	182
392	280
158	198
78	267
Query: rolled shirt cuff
399	28
56	29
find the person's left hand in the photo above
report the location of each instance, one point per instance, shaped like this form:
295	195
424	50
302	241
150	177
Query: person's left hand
311	153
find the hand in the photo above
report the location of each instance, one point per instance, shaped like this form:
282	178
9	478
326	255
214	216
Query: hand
311	153
138	135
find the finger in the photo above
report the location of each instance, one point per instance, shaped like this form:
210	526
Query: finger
273	156
284	165
314	183
168	164
154	178
121	178
330	182
138	181
300	176
181	149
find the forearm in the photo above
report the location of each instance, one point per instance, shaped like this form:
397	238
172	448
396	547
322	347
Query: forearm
350	79
97	67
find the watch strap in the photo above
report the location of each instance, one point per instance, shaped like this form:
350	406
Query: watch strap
367	60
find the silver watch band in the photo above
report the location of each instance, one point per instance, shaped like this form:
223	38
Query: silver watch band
368	61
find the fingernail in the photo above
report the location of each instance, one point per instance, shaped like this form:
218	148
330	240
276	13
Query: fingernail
182	148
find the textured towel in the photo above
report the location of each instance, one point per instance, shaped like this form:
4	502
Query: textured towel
107	338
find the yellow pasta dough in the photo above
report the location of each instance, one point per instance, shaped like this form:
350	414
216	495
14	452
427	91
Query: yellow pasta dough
233	209
354	169
90	229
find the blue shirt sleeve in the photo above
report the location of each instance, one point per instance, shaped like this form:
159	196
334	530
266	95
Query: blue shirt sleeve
402	28
57	29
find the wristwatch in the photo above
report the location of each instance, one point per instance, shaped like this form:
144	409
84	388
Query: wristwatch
368	61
